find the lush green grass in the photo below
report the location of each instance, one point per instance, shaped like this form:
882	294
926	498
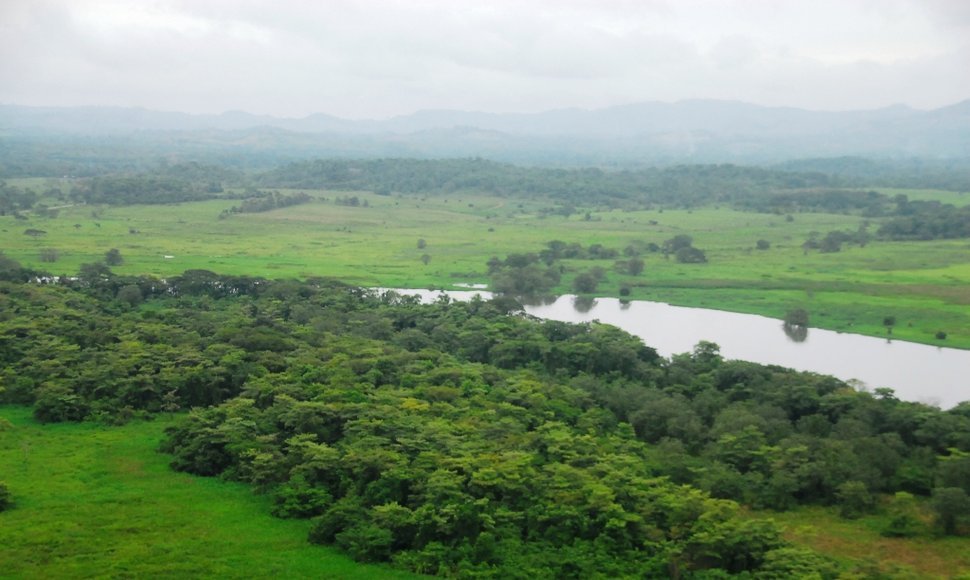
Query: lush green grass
924	285
859	542
94	501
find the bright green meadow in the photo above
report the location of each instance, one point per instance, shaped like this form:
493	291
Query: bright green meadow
95	501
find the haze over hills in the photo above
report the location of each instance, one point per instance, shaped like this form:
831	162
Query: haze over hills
685	131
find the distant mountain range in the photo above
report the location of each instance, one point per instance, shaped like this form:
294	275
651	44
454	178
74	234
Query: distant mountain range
685	131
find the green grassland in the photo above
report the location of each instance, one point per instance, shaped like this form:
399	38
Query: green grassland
924	285
860	541
94	501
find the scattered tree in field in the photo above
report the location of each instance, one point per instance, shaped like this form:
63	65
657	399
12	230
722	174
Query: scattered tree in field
34	233
690	255
940	335
763	244
889	322
797	317
676	243
49	255
113	257
77	226
681	246
422	244
585	283
633	266
425	258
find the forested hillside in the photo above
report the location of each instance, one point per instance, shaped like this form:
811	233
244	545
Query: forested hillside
468	439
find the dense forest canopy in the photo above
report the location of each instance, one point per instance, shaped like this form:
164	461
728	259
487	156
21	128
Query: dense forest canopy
467	438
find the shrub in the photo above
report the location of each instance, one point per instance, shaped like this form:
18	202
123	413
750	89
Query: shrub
5	501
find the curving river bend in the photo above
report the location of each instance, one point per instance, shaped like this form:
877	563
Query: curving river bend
916	372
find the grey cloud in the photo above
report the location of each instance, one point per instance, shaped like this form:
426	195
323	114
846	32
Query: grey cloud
381	57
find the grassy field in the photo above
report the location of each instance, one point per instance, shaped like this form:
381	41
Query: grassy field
859	542
94	501
924	285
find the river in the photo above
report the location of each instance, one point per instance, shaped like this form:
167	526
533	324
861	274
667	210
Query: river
916	372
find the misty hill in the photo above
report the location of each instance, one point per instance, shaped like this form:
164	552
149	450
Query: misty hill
650	132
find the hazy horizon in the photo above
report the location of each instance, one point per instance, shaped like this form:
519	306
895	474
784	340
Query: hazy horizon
475	111
377	59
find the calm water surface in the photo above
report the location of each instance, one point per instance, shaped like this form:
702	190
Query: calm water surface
917	372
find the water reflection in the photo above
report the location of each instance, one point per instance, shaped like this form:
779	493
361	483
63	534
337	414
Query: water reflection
583	304
795	332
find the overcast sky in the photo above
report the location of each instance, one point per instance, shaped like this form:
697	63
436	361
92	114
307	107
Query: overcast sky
379	58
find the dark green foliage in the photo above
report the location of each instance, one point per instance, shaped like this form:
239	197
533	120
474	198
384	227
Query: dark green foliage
113	257
789	562
690	255
926	220
521	275
14	199
260	201
632	267
49	255
904	517
122	190
854	499
6	498
585	283
130	295
453	438
681	186
797	317
952	507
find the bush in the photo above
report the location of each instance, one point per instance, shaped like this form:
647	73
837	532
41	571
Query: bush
796	317
130	295
854	499
585	283
904	521
5	500
56	404
690	255
113	257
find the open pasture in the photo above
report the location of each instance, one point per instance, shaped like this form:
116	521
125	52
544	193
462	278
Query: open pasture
96	501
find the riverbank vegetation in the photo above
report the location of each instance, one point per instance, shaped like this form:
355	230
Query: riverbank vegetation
463	439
